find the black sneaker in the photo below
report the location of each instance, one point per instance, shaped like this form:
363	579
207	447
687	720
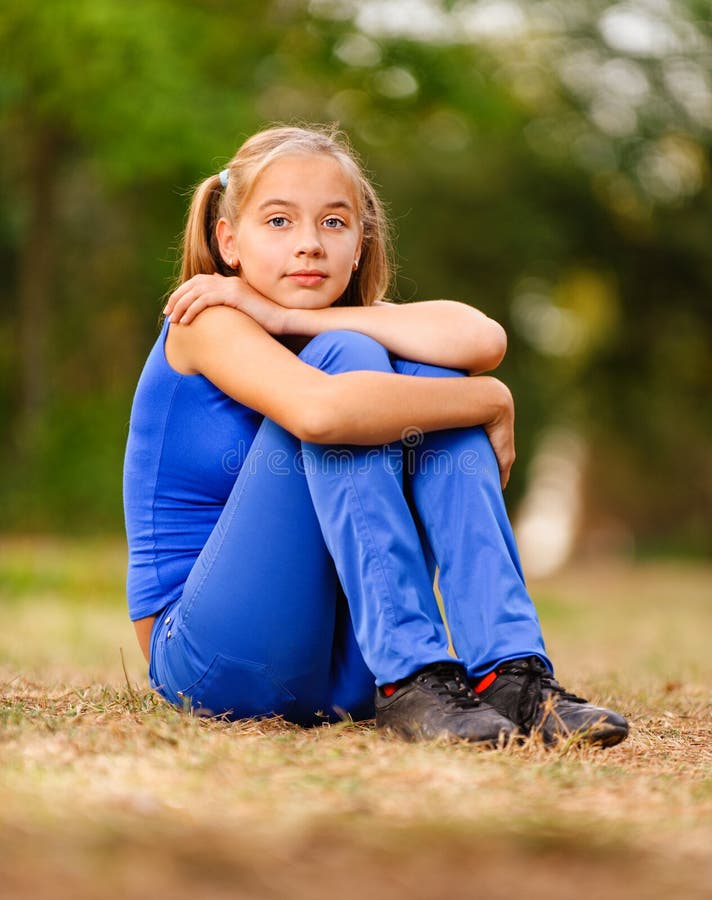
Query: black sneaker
436	702
526	692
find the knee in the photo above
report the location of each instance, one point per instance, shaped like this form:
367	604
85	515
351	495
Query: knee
346	351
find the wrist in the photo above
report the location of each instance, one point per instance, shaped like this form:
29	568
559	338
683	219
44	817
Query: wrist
496	395
274	318
298	321
287	320
503	399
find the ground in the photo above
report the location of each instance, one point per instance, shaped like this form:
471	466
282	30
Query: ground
106	792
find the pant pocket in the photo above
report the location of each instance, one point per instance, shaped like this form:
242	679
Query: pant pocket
238	689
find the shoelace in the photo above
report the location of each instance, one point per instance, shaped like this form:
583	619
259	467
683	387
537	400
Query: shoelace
537	680
449	681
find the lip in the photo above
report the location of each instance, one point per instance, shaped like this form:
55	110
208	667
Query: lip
307	277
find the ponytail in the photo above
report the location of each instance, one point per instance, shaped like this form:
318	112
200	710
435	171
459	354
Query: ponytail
200	250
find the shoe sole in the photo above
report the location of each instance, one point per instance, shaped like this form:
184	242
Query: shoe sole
610	736
449	737
603	736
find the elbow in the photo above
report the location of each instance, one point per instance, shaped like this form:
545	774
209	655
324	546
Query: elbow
494	349
318	420
499	342
315	427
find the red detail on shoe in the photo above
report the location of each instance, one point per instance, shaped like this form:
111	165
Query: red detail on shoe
389	690
486	682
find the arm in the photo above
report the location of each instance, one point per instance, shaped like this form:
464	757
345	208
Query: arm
143	633
440	332
245	362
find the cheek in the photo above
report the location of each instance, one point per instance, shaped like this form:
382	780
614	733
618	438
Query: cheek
346	253
256	256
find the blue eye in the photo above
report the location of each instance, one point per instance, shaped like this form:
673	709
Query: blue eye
277	221
333	222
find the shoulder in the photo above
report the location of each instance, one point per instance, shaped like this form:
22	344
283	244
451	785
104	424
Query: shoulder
213	322
215	329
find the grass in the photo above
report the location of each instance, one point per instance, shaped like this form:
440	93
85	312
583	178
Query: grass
105	791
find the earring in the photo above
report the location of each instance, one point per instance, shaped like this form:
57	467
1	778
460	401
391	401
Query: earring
355	265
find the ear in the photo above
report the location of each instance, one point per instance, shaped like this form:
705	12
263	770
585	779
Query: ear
225	234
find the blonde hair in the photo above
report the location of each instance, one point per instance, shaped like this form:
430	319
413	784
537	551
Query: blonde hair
211	201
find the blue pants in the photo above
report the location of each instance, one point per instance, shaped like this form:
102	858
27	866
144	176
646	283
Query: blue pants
317	580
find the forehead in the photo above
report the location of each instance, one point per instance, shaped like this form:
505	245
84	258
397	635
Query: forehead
303	178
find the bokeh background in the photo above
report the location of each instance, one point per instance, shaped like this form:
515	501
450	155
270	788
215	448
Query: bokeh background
547	161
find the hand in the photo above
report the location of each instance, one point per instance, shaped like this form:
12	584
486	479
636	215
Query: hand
201	291
500	431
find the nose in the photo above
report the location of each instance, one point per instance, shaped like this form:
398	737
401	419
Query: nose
308	243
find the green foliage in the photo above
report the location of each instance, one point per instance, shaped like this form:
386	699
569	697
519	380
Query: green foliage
552	169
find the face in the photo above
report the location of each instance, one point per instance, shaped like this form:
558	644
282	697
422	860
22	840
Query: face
299	234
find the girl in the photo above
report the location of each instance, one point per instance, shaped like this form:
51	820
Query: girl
301	457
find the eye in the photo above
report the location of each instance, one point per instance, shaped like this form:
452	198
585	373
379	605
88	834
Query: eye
278	221
334	222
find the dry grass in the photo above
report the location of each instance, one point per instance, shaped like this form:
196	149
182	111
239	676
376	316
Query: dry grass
106	792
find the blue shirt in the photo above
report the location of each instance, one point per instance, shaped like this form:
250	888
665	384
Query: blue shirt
187	442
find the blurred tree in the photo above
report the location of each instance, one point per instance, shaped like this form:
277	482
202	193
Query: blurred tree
97	90
547	161
103	106
562	181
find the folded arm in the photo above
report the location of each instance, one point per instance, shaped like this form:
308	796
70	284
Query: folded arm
236	354
439	332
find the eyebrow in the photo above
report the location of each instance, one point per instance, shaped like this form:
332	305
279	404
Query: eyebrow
335	204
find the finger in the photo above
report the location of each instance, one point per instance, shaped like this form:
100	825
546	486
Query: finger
195	307
188	307
177	295
507	470
180	306
171	302
199	287
196	302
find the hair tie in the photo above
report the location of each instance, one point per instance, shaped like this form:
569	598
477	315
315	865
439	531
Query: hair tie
223	176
